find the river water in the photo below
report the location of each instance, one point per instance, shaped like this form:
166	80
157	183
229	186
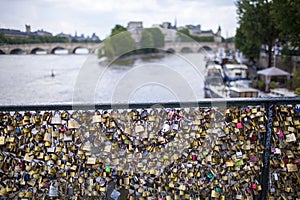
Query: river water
26	79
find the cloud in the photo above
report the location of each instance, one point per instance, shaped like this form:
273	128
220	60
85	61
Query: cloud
88	16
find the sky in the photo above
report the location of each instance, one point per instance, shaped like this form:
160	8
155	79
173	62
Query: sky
100	16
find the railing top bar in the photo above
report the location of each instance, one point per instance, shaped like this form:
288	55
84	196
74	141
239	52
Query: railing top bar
201	103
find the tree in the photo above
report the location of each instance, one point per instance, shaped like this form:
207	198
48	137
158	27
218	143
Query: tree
147	39
286	14
184	35
117	29
256	27
249	48
122	43
158	37
108	49
119	43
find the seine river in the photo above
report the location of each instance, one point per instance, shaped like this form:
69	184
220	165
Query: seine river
27	79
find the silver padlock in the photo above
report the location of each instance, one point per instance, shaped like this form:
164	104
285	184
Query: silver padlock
53	191
56	119
175	125
166	127
70	191
115	194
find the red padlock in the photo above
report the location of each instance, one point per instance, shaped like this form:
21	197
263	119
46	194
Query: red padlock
254	186
239	125
63	129
194	157
22	165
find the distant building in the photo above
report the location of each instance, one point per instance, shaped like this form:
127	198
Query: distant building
95	37
136	29
218	36
68	36
168	31
197	31
14	33
28	28
42	33
26	34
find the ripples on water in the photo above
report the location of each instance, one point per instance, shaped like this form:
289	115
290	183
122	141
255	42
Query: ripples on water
26	79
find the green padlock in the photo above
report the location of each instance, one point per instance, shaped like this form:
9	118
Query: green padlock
107	169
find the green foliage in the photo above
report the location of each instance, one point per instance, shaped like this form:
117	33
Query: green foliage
286	15
296	79
119	45
272	85
108	49
249	48
147	40
2	39
261	84
157	36
31	39
257	27
231	39
117	29
184	36
297	91
263	22
152	39
122	43
203	38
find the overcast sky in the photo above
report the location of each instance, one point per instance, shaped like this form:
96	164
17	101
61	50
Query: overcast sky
100	16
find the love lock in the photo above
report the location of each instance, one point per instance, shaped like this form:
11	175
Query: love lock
166	127
53	191
56	118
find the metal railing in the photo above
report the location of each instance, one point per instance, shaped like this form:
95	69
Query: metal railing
200	103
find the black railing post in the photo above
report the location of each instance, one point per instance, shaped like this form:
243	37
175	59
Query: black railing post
266	158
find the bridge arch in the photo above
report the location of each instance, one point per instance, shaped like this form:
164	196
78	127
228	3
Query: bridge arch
1	52
57	48
36	49
171	50
78	48
17	51
205	49
186	50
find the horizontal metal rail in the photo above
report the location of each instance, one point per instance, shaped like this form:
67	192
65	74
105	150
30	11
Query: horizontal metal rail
201	103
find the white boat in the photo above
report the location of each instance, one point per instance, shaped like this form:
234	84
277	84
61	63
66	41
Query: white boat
214	69
234	72
281	92
222	91
243	92
215	87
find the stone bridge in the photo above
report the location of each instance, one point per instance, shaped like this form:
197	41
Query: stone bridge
194	47
49	48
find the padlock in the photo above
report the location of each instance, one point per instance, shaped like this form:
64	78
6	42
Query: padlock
56	119
53	191
73	124
166	127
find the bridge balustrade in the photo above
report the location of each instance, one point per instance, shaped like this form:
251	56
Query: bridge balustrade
211	149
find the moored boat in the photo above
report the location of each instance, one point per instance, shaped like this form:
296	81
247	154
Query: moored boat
234	72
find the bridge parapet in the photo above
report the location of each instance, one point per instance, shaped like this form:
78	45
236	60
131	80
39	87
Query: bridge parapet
197	46
233	148
48	47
